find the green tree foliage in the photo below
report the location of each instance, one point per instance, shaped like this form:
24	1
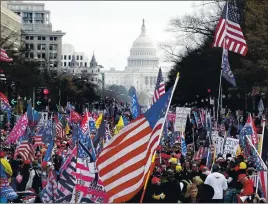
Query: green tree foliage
118	92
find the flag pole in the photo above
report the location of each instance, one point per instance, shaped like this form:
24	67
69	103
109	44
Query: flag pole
77	147
220	86
154	155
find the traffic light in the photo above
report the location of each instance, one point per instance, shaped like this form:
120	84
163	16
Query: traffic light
38	101
42	98
14	94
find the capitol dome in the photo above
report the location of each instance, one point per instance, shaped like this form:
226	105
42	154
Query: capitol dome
143	52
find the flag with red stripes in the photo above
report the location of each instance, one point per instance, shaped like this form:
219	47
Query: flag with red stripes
4	57
25	150
159	87
228	33
201	153
37	140
125	161
60	132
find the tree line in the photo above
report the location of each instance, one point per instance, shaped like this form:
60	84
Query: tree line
199	64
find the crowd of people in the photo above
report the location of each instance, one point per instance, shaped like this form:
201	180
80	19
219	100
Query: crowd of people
185	180
175	178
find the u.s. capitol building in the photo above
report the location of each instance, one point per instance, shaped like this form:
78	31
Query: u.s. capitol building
142	67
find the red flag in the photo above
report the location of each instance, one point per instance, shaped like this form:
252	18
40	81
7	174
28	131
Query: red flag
75	117
254	136
85	124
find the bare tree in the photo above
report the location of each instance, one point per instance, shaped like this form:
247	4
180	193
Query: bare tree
192	30
8	38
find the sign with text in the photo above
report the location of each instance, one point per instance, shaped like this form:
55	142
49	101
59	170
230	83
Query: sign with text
230	146
181	118
217	141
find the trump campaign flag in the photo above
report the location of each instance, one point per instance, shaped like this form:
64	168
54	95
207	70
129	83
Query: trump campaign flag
19	129
88	187
135	107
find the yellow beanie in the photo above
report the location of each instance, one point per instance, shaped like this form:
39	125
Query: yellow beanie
178	168
243	165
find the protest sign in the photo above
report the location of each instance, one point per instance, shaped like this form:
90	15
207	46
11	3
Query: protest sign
181	118
217	141
230	146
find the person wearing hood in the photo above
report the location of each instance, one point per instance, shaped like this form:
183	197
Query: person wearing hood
218	182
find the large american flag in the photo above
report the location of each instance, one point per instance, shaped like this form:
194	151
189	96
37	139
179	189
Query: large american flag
228	33
159	87
125	161
4	57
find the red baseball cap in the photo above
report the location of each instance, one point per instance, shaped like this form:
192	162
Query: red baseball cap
240	177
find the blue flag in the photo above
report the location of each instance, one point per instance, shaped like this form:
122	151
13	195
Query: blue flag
33	116
135	108
47	133
49	151
226	70
183	147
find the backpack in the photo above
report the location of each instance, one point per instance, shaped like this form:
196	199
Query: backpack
37	181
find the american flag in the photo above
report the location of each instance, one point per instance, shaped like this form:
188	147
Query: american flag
201	153
37	140
26	149
4	57
228	33
159	87
124	163
60	132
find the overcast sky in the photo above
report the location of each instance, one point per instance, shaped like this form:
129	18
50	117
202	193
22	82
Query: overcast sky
110	27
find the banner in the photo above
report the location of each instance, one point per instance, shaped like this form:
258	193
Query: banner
66	183
19	129
49	193
181	118
230	146
218	142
